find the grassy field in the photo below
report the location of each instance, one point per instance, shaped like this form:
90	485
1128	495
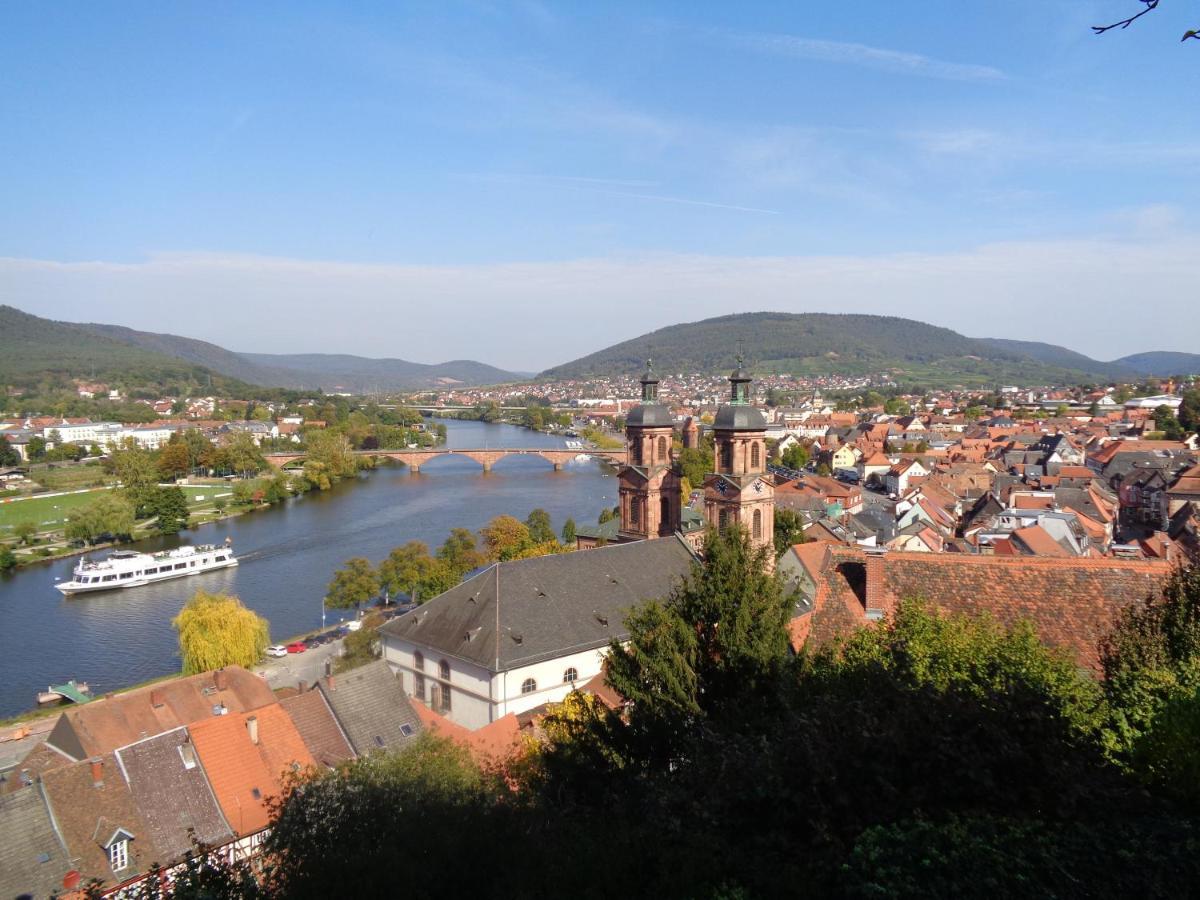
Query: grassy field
50	513
68	478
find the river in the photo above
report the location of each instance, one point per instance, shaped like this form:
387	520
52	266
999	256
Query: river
288	554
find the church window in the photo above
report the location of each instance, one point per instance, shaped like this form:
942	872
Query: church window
662	449
635	513
571	675
444	670
528	686
726	458
755	458
758	525
723	520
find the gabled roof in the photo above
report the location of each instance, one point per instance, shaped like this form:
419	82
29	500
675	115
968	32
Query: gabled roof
89	811
103	725
33	859
517	613
496	741
322	735
371	707
1038	542
175	801
245	775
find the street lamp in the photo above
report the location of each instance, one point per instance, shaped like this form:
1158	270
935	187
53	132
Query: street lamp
322	612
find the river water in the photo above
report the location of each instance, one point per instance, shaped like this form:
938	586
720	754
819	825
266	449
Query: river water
287	554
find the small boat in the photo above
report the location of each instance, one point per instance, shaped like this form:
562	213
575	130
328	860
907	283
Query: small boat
128	568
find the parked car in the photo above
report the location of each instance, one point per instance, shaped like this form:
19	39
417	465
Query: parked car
354	625
277	650
297	647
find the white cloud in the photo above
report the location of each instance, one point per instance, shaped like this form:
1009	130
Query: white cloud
1089	294
870	57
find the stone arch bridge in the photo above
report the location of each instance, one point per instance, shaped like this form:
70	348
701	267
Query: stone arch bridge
414	459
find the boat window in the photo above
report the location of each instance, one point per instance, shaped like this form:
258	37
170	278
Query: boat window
192	563
150	572
110	577
126	574
219	559
181	565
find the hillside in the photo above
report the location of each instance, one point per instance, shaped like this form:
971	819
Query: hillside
824	344
1053	355
33	349
1162	363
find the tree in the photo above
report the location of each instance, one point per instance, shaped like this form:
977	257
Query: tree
243	455
795	457
460	552
174	460
8	454
409	569
505	537
568	533
353	584
36	449
359	648
8	559
1147	7
897	406
110	514
329	458
169	507
24	530
216	630
1189	410
137	470
199	447
1151	664
540	528
789	530
606	515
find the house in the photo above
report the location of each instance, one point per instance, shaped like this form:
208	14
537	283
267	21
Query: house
1073	603
900	476
33	858
111	722
371	708
522	633
873	468
1185	489
246	757
319	729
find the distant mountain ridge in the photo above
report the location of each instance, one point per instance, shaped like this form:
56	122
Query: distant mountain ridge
816	344
1162	362
29	344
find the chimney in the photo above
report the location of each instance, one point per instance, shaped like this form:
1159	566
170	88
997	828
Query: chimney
252	728
330	683
188	753
876	591
156	698
97	772
301	686
219	679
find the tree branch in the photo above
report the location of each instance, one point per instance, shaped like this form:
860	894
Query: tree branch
1150	6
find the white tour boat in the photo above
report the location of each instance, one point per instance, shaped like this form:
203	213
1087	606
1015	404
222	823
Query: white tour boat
128	568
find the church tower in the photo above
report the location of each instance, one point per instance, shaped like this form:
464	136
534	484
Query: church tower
649	483
740	492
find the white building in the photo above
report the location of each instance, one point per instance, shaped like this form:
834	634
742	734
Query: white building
1166	400
522	633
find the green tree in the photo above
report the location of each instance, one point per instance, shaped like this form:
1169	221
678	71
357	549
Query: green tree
36	449
505	537
8	559
169	508
897	406
354	584
789	530
244	456
8	454
540	528
174	460
1189	410
109	514
460	552
795	456
359	648
24	530
568	533
216	630
409	569
137	469
329	458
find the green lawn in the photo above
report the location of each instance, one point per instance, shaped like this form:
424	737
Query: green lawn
46	512
67	478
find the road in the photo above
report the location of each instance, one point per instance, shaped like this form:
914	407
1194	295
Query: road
290	670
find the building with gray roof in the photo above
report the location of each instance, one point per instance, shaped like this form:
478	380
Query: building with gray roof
33	859
371	707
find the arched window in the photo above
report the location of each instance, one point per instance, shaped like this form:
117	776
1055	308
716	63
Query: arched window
723	520
635	452
758	524
571	675
635	513
662	449
528	686
444	670
726	458
419	661
755	458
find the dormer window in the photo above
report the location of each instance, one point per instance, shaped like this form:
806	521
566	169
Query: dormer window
118	850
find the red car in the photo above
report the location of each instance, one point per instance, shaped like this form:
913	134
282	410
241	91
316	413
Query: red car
297	647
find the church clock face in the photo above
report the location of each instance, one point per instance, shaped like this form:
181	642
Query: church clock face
758	486
722	487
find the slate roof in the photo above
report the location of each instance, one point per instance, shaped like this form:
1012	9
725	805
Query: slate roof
1072	603
371	707
650	415
88	814
245	775
322	735
32	858
517	613
103	725
175	802
739	417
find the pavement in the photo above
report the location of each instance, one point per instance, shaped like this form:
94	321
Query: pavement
290	670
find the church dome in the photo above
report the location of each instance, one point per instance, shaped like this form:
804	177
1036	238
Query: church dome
738	417
651	415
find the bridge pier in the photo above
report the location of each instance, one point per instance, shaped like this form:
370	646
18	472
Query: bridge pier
558	467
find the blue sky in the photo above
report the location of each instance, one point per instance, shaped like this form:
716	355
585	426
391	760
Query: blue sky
523	183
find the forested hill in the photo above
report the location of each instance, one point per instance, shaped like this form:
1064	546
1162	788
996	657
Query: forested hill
33	349
825	344
1163	363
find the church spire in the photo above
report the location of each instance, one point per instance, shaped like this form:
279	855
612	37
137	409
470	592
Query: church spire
649	384
739	384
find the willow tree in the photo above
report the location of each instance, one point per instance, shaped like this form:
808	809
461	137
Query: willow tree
216	630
